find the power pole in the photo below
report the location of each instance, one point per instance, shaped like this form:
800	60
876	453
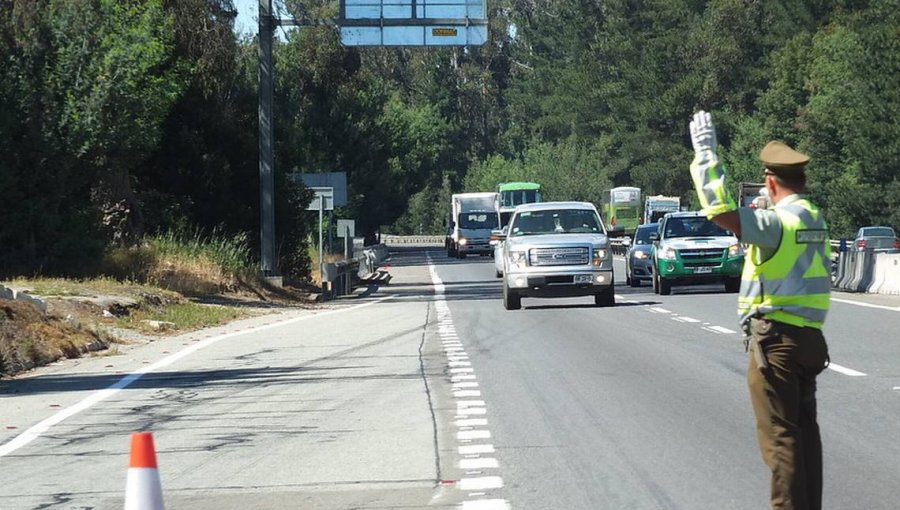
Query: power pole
268	267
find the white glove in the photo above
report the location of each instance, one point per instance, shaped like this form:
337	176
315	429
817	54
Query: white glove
707	172
703	133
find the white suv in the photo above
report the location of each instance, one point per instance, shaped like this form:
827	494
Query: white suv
557	249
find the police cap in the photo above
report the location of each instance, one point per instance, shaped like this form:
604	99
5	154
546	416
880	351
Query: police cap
783	160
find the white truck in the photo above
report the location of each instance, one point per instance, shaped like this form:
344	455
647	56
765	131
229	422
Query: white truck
473	216
658	206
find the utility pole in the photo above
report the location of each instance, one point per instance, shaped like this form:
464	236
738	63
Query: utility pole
268	267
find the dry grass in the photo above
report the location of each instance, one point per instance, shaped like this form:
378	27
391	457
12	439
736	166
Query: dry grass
28	338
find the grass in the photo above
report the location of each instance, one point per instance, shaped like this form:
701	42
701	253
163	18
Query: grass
184	316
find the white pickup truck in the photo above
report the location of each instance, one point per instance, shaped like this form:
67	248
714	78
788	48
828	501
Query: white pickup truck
557	249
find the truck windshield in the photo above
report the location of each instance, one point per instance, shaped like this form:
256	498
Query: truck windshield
556	221
693	226
478	221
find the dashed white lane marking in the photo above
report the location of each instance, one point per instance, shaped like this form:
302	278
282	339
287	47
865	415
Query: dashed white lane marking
42	427
867	305
844	370
657	309
468	435
720	330
681	318
486	504
470	430
480	483
896	387
479	463
472	422
476	449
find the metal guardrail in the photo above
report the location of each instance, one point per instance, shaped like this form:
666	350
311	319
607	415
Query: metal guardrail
417	240
340	278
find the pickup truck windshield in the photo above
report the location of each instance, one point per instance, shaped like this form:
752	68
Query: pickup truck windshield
693	226
556	221
478	221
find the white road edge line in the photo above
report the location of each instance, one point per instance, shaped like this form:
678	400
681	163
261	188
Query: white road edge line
867	305
846	371
43	426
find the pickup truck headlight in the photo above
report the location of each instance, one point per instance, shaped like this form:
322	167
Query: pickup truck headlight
599	255
735	250
517	258
463	241
667	253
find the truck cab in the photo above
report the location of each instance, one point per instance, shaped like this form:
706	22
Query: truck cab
688	248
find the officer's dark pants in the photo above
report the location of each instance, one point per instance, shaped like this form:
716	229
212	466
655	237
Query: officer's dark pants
784	401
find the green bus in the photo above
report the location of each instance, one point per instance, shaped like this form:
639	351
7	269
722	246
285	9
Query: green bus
517	193
623	210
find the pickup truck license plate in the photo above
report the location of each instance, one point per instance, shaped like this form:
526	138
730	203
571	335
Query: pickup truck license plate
583	278
702	270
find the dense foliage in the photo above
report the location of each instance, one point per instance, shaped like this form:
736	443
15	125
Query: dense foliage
121	118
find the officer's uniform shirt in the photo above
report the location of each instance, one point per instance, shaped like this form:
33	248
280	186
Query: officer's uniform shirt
762	227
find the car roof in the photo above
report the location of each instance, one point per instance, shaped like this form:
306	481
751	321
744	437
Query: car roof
546	206
683	214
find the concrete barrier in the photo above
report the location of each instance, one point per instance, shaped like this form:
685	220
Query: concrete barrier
886	274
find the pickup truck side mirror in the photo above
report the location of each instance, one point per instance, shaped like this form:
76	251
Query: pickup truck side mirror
497	236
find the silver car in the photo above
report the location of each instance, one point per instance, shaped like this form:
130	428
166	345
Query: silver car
557	249
638	262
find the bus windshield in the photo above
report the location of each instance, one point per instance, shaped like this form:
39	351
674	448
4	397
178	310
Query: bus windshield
519	197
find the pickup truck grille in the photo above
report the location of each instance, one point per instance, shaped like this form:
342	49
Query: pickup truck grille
559	256
697	257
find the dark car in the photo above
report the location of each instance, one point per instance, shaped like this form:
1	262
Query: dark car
638	263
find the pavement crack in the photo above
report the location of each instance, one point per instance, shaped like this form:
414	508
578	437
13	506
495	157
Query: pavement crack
422	371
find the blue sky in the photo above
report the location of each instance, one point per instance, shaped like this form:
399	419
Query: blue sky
246	22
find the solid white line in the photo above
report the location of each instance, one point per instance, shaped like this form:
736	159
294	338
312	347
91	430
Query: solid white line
480	483
844	370
42	427
867	305
479	463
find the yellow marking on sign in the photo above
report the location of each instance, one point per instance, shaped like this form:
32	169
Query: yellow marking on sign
443	32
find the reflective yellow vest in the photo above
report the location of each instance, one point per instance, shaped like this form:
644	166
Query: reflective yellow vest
794	285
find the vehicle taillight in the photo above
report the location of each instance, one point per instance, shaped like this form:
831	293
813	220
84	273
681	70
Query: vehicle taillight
897	244
612	221
861	244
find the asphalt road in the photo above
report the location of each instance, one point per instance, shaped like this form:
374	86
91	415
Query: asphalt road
427	394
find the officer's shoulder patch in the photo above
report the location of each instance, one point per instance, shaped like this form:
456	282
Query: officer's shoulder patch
811	236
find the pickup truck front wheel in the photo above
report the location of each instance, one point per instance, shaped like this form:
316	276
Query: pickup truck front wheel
511	300
606	297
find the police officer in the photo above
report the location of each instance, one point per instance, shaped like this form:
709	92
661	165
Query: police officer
782	305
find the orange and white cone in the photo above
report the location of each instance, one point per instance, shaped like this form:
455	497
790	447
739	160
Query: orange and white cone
143	490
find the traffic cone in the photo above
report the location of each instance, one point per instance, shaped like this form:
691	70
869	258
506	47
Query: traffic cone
143	490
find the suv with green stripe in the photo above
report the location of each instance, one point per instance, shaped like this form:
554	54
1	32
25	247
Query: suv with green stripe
688	248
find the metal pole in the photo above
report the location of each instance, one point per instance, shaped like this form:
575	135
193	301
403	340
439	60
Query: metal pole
266	151
321	251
